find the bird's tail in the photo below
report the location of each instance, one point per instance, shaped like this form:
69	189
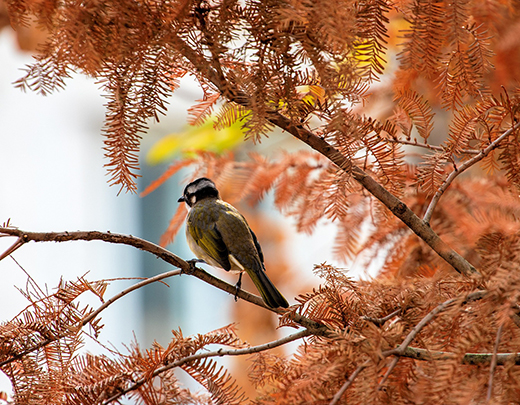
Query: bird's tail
271	296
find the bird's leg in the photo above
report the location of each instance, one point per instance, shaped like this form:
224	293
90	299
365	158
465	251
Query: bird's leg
238	286
192	264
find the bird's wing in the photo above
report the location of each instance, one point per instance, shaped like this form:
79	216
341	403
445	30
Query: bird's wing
258	247
211	241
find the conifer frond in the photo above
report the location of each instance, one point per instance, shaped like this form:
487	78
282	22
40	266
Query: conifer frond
257	126
418	111
510	159
46	336
456	80
462	129
456	15
431	173
336	191
199	112
170	171
387	163
264	178
465	67
370	46
401	119
98	378
348	238
479	124
45	77
221	386
424	43
335	303
69	291
479	51
174	226
230	113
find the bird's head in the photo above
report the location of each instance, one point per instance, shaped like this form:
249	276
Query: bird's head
198	190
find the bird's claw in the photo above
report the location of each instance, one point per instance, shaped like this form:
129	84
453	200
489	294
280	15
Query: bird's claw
192	267
238	286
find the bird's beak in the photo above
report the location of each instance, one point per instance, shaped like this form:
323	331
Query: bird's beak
182	199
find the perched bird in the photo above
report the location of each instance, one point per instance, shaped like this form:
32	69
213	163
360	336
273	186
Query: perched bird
220	236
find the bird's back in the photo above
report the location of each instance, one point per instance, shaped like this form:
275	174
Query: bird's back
210	215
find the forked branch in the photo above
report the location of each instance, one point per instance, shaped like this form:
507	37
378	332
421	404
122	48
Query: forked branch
218	353
167	256
463	167
476	295
298	130
428	146
87	319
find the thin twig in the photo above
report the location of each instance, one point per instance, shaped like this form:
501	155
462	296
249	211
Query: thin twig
464	166
19	242
128	290
381	321
315	327
493	363
392	365
218	353
348	383
168	257
476	295
91	316
428	146
473	359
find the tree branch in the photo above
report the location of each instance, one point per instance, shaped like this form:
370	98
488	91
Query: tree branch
348	383
397	207
381	321
167	256
428	355
19	242
391	367
463	167
92	315
428	146
218	353
494	363
473	359
476	295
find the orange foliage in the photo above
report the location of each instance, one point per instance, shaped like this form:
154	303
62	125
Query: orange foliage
419	333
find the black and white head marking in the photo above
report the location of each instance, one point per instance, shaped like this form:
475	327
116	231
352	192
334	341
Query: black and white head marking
198	190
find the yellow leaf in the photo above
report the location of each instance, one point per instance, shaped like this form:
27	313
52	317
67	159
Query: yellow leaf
202	138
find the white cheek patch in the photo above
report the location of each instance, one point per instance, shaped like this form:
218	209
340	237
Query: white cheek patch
193	199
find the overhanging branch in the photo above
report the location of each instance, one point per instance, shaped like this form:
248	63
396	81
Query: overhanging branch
397	207
160	252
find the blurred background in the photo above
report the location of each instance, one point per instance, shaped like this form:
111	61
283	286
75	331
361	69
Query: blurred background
52	179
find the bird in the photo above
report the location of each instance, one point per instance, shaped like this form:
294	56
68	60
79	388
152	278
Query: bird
218	234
